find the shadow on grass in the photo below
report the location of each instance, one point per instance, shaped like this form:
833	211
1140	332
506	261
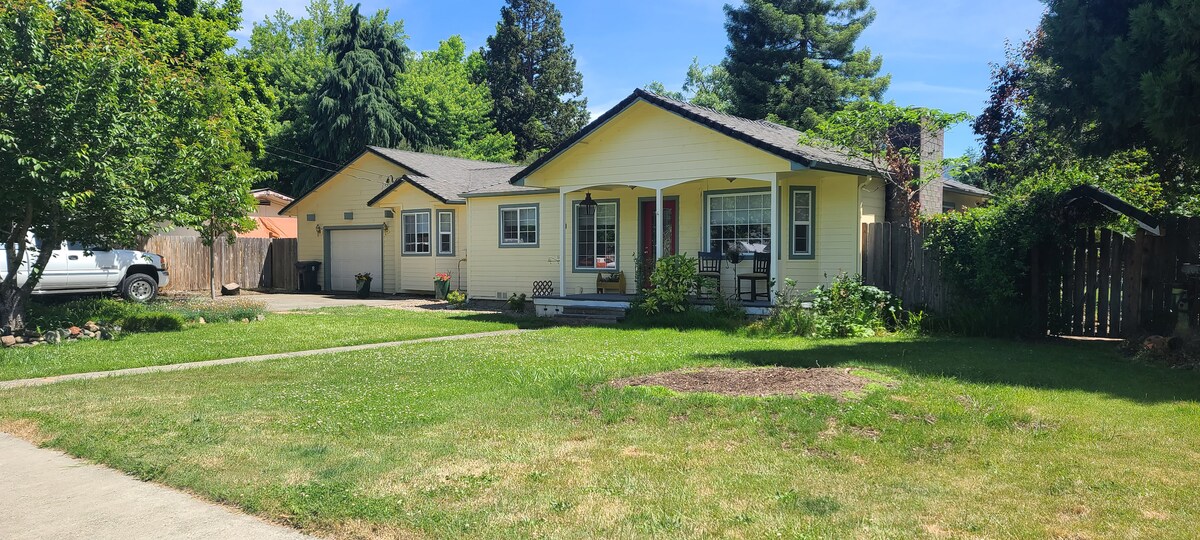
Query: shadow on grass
524	322
1047	364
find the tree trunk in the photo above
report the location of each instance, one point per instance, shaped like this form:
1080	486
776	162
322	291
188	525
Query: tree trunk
212	279
12	307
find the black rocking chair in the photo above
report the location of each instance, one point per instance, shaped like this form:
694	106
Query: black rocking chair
709	269
761	271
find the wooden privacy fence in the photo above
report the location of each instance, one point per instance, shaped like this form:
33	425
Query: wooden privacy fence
1102	283
1107	284
894	259
256	263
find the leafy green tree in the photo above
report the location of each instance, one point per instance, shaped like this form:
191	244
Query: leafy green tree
103	136
531	73
706	86
795	62
354	105
295	57
438	96
888	136
1127	72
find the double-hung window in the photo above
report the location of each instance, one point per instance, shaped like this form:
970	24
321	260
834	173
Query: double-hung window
445	232
739	221
519	226
596	237
803	199
415	228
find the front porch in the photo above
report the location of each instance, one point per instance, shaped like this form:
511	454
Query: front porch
551	306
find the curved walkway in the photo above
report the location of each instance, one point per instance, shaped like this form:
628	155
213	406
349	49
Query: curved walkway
19	383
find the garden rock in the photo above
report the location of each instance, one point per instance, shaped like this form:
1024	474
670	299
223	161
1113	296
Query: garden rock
53	337
91	326
8	341
75	331
200	320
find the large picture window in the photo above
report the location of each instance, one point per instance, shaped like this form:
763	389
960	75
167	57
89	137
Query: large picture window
596	237
739	221
519	226
415	228
445	231
803	199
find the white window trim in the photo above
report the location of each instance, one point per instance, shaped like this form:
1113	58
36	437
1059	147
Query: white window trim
404	232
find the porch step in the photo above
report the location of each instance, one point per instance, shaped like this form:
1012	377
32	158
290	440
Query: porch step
583	316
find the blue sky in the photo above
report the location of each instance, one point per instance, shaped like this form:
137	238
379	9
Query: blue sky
938	52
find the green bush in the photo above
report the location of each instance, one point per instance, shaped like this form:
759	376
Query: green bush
193	309
846	308
456	298
49	313
672	282
154	321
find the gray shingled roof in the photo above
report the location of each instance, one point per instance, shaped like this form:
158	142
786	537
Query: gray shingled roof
768	136
444	177
955	185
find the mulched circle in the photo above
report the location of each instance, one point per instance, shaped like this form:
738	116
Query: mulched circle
755	382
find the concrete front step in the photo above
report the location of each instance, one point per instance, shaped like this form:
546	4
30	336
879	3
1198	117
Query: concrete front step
583	316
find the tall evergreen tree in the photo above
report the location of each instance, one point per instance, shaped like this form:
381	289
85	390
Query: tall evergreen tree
355	103
794	61
532	76
294	55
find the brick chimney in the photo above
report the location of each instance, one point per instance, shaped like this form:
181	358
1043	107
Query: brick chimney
932	145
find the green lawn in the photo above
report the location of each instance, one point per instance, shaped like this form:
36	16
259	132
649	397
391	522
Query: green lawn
298	331
518	437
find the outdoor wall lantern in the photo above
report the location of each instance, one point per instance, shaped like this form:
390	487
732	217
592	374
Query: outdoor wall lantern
587	207
318	229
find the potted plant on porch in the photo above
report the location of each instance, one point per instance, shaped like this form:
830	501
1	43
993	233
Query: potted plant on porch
362	284
441	285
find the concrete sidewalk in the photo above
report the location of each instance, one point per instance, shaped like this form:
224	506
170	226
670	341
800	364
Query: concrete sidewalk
46	494
21	383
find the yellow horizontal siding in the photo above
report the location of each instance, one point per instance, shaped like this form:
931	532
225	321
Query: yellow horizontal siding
414	273
499	272
349	191
646	143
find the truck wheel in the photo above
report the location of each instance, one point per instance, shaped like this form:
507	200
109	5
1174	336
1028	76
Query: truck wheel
139	288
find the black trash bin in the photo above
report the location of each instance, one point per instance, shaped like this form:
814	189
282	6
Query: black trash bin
309	270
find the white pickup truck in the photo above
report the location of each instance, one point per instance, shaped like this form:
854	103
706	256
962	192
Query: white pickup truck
76	269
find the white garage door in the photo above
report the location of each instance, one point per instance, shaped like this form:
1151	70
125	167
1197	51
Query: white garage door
354	252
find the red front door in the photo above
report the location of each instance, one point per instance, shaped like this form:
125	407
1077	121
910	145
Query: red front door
650	236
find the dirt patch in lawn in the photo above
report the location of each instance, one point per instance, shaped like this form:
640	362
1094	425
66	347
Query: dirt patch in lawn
756	382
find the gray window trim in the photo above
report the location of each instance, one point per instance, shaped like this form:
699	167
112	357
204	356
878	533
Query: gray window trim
812	223
575	236
537	212
743	191
404	251
453	233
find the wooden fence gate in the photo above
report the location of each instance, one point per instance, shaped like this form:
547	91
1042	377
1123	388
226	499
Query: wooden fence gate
1108	284
254	263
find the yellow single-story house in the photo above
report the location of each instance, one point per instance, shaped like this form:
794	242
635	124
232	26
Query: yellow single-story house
651	177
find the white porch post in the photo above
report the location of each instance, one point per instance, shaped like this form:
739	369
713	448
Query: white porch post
776	255
658	224
562	244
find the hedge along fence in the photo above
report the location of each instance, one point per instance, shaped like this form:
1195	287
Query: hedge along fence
261	263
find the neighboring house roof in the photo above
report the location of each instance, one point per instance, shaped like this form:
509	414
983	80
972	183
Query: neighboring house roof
272	227
270	195
442	177
1113	204
779	140
966	189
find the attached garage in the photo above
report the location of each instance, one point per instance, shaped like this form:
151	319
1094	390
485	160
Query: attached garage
350	251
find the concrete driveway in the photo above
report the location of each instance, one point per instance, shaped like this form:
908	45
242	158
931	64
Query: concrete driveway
277	302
